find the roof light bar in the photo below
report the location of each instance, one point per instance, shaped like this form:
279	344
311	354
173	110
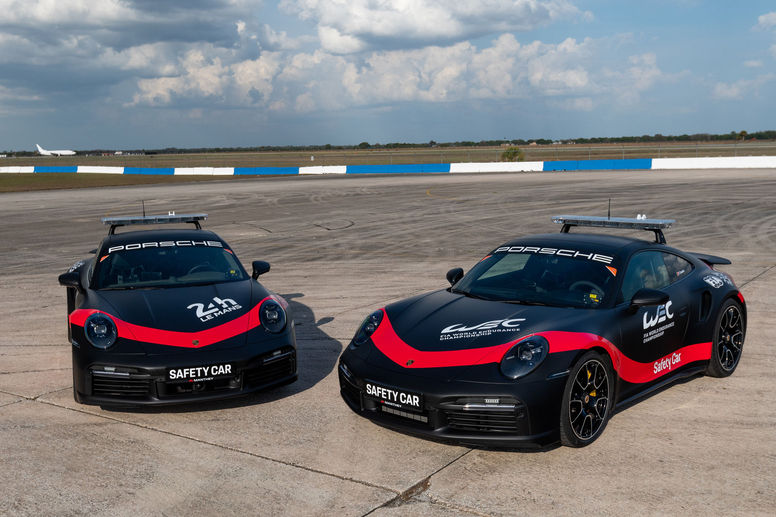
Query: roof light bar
170	218
654	225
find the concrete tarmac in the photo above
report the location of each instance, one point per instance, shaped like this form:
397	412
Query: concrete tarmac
340	248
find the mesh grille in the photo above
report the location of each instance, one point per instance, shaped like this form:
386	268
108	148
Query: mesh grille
120	386
484	420
273	369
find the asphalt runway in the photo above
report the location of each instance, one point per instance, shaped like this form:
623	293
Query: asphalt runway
340	248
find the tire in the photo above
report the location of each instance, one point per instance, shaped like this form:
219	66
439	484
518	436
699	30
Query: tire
588	399
728	340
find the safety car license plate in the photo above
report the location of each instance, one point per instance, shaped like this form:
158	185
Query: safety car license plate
200	373
394	397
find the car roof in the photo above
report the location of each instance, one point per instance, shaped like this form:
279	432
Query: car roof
160	235
615	245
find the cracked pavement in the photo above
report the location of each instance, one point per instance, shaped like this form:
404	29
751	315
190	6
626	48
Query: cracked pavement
340	248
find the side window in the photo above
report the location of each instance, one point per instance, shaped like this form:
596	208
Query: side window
653	270
645	270
676	266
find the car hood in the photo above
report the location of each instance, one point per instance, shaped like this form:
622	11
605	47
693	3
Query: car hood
182	315
443	321
451	333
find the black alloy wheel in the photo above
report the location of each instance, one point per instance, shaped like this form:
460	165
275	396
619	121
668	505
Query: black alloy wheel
587	401
728	342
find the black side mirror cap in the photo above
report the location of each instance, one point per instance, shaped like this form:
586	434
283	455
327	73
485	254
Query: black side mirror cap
647	297
71	279
454	275
259	268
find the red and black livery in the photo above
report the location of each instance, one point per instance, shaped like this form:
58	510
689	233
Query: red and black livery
167	316
542	339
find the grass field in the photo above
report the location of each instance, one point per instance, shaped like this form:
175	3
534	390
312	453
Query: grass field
404	156
23	182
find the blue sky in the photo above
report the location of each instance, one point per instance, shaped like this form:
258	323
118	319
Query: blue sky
125	74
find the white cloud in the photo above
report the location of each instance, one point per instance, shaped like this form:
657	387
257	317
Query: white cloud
279	40
346	26
67	12
754	63
213	54
766	21
153	58
15	95
626	84
325	81
335	41
244	83
740	89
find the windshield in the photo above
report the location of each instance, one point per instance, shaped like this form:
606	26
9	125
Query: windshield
173	266
540	279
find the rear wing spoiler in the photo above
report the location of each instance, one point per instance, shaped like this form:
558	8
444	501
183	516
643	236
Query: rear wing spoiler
711	260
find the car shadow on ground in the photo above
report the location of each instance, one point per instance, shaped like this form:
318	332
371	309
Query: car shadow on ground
317	353
656	391
557	445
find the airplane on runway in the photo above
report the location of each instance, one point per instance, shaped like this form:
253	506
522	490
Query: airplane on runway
59	152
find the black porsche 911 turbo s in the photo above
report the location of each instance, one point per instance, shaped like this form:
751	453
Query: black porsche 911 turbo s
167	316
543	338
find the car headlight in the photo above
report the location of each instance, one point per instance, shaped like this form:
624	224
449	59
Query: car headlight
100	330
368	327
524	357
272	316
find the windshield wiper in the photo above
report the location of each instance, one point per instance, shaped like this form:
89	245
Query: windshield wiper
196	284
470	295
528	302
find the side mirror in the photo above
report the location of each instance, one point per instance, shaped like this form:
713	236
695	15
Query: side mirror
454	275
71	279
259	268
646	297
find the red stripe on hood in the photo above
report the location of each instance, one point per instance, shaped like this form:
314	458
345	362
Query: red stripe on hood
394	348
390	344
230	329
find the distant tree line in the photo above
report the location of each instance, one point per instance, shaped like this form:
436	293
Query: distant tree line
697	137
656	138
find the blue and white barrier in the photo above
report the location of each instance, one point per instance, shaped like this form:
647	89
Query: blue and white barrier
727	162
741	162
464	168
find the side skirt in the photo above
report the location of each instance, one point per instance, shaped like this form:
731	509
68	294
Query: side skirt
682	374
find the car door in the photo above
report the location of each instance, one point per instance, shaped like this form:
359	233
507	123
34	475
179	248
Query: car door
650	335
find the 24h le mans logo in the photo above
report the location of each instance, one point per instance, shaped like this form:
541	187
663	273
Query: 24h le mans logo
218	307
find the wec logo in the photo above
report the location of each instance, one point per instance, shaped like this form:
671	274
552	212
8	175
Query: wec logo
217	307
663	313
512	324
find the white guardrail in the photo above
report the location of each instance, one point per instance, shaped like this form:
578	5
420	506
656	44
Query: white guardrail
732	162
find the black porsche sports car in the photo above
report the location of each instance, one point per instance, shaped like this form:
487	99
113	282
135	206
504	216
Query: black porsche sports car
166	316
544	337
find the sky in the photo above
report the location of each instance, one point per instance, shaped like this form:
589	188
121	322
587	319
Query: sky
150	74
